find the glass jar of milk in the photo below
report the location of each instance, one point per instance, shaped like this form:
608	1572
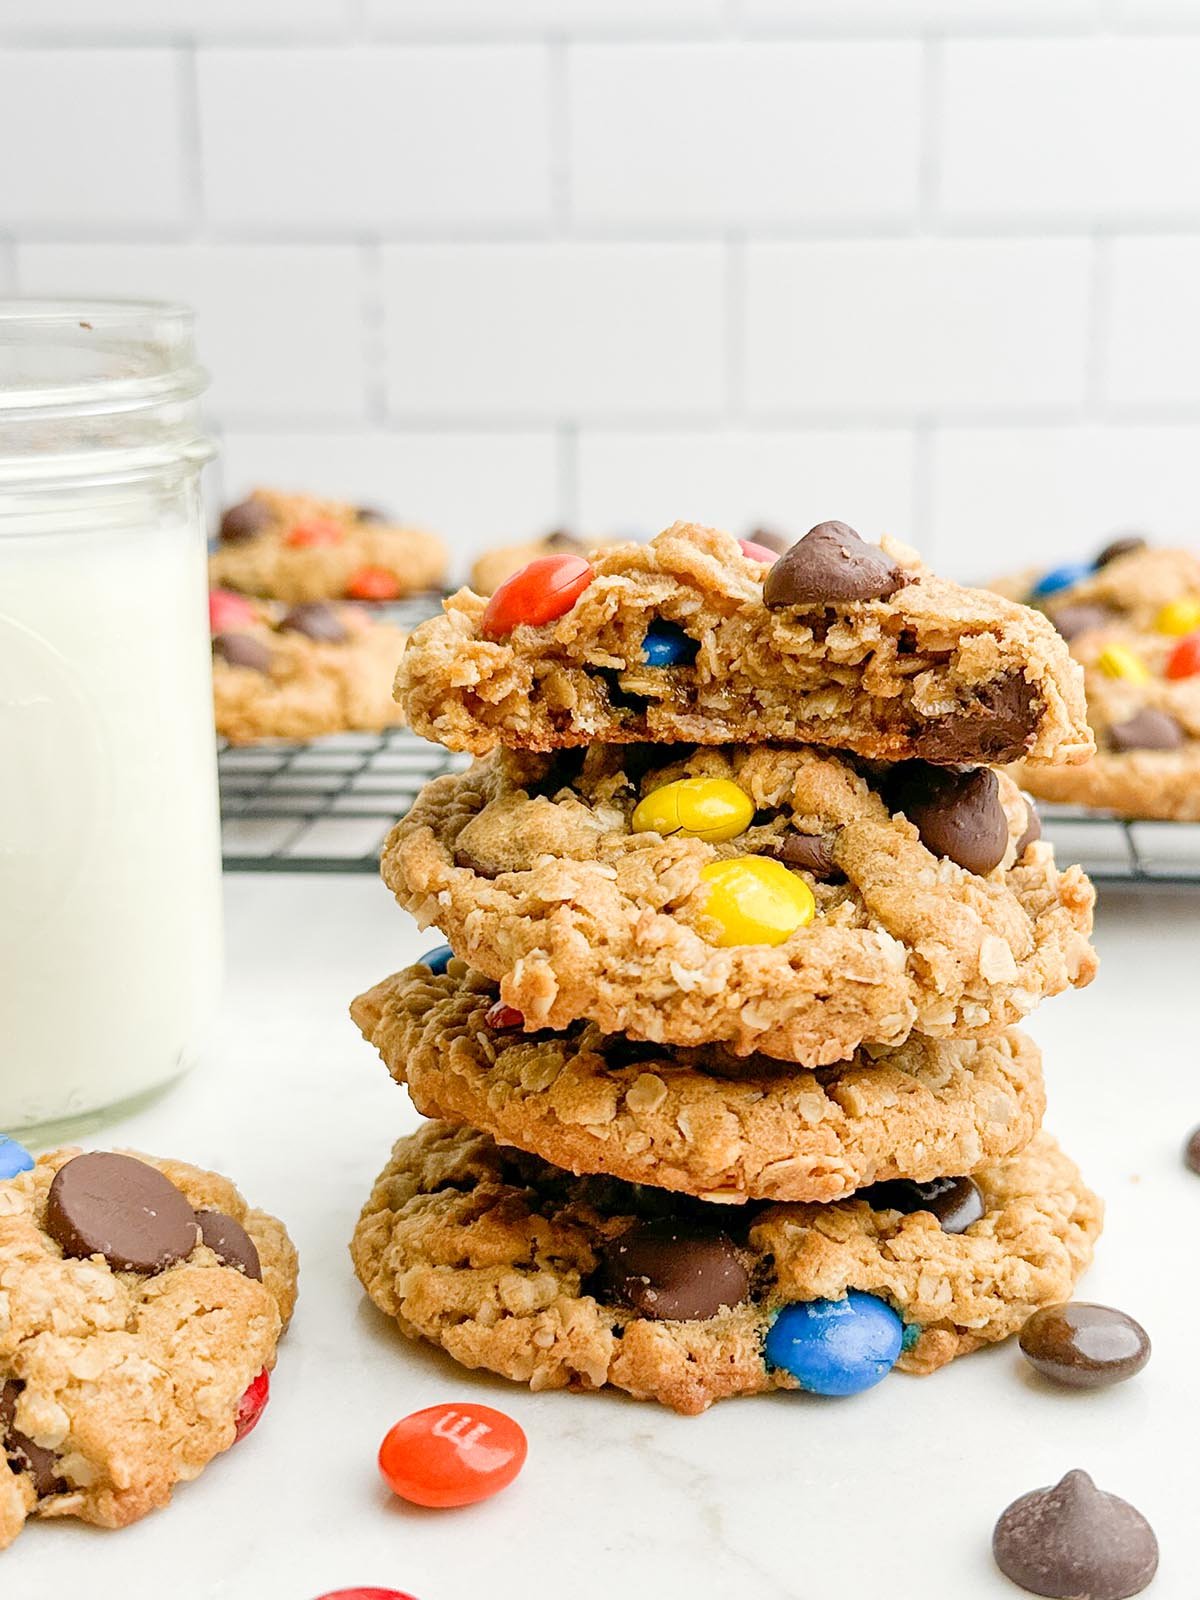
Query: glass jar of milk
109	845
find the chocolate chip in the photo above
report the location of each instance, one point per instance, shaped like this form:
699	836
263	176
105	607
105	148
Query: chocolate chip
957	814
110	1205
315	620
1123	546
245	520
562	539
22	1453
371	514
229	1242
955	1202
1147	729
1085	1346
811	851
995	725
674	1270
769	539
242	650
1071	621
1033	827
1073	1541
830	566
1191	1150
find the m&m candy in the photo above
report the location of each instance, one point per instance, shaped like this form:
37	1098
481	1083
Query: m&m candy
452	1455
758	552
541	592
1184	660
228	612
317	531
372	583
1061	578
836	1347
365	1594
666	645
698	808
252	1405
438	959
14	1157
503	1016
755	900
1178	617
1116	661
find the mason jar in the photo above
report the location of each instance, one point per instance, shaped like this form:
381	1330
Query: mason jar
109	842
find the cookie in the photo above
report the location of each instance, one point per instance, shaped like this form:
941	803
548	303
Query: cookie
294	547
298	672
802	914
514	1266
712	1125
142	1300
689	638
495	567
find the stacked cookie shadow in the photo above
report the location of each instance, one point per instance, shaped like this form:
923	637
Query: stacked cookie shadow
725	1087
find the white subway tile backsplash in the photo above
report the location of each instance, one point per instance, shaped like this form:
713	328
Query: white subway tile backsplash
280	327
1059	132
474	488
379	140
125	21
1152	352
909	326
554	331
92	141
898	16
744	134
739	479
555	17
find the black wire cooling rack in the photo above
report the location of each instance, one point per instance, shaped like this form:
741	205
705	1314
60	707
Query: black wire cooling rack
326	807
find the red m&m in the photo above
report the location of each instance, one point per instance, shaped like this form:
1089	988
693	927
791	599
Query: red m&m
228	612
317	531
365	1594
372	583
452	1455
500	1015
1184	660
541	592
252	1405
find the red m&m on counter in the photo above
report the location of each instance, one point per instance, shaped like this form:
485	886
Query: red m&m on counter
541	592
452	1455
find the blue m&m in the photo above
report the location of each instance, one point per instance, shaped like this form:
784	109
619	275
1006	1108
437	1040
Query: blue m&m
836	1347
14	1158
438	959
1061	578
666	645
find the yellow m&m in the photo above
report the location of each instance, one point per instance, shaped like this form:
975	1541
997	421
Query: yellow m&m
699	808
755	900
1178	617
1115	661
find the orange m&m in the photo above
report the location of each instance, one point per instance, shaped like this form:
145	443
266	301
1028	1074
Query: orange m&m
452	1455
541	592
1184	660
318	530
372	583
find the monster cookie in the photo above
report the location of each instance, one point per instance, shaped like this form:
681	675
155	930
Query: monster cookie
495	567
778	900
696	637
297	672
294	547
717	1126
142	1302
555	1281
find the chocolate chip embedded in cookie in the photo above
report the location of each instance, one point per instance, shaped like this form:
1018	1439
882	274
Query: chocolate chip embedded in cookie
518	1267
702	1121
134	1328
838	643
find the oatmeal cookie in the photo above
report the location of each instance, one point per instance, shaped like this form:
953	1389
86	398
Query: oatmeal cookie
689	638
141	1300
511	1265
294	547
702	1121
298	672
551	875
494	567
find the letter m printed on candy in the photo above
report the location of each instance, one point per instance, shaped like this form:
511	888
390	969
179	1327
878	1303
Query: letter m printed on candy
452	1455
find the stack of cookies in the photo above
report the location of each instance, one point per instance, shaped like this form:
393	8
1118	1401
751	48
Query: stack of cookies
727	1090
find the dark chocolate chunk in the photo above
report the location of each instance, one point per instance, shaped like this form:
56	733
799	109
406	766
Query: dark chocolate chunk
957	814
955	1202
830	566
229	1241
1085	1346
769	539
1124	545
673	1270
23	1455
315	620
1146	729
242	650
109	1205
1075	1542
1033	827
1191	1150
245	520
1071	621
996	725
811	851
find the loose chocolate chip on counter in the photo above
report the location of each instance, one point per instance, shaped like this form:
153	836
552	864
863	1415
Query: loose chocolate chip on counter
829	566
1191	1150
244	521
812	851
1033	827
242	650
955	1202
1075	1542
315	620
1147	729
995	726
769	539
24	1455
230	1242
1071	621
673	1270
1085	1346
104	1204
957	814
1125	545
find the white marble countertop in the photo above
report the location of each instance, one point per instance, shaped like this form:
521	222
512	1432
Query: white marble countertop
893	1492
